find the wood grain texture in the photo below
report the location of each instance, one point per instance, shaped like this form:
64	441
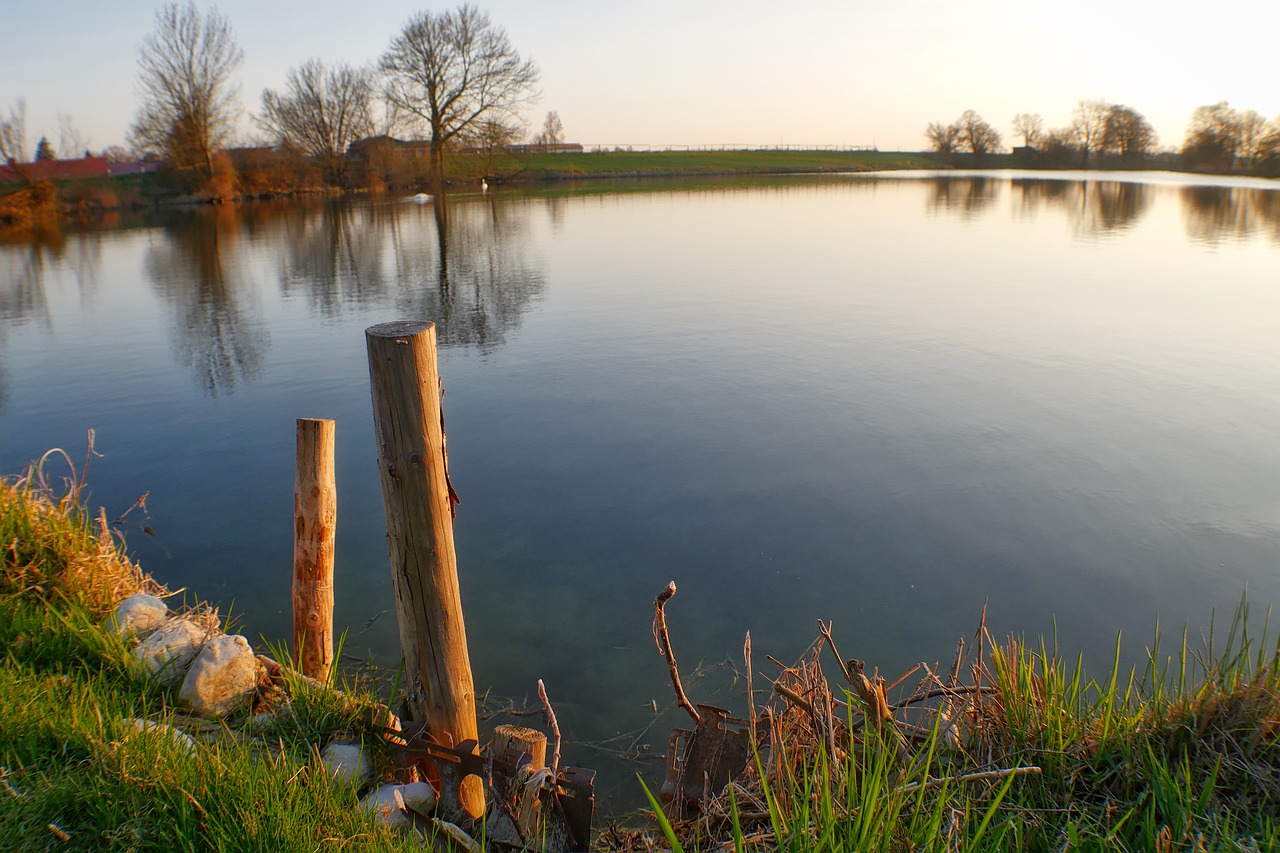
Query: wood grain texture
315	513
411	459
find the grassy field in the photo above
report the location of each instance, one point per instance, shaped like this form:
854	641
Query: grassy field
605	164
1011	747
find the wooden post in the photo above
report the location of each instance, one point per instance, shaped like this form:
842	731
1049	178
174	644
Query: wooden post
424	569
315	510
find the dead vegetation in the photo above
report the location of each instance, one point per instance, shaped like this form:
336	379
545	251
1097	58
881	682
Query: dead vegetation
1003	743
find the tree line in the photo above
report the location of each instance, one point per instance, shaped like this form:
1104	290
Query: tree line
1218	138
453	76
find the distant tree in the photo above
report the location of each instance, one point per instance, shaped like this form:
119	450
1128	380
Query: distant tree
13	134
320	113
552	132
1030	127
943	138
1127	133
976	135
189	99
1213	135
117	154
71	142
451	70
1089	125
1058	146
493	135
44	151
1255	137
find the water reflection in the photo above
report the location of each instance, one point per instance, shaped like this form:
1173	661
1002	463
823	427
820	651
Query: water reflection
966	196
212	333
465	264
1213	214
23	295
335	257
483	278
1093	207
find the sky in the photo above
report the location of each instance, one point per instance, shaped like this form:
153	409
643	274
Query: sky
708	72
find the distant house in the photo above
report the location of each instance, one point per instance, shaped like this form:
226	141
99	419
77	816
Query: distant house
372	146
56	170
538	148
136	167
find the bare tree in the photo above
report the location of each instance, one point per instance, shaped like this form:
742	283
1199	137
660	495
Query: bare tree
552	130
976	135
1127	132
72	144
321	112
1030	127
944	138
1213	136
189	99
1059	145
453	69
13	134
1089	124
493	135
118	154
1255	137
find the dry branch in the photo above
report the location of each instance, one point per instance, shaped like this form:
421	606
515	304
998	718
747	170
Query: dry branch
664	646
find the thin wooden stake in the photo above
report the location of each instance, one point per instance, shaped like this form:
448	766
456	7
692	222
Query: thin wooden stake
555	728
415	492
664	645
315	511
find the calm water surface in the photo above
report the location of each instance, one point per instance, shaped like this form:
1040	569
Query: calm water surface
878	400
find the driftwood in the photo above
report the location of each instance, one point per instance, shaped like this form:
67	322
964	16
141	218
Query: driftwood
664	647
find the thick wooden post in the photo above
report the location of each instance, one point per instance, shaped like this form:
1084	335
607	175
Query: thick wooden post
424	569
315	511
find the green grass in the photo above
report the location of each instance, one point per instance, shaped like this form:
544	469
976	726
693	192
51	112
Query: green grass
76	777
1180	754
604	164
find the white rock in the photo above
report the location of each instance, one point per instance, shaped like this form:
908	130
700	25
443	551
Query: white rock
346	762
387	802
139	614
222	678
166	654
151	727
385	806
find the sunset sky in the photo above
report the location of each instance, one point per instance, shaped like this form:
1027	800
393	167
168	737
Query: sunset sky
712	71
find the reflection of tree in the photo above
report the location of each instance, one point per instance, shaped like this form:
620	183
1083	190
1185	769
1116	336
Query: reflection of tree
1217	213
1094	207
555	211
336	256
22	292
464	266
483	280
967	196
211	334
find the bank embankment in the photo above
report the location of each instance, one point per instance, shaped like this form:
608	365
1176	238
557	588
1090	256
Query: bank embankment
1002	745
635	164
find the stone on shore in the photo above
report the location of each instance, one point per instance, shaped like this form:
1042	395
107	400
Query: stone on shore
388	802
222	679
162	730
169	650
346	762
139	614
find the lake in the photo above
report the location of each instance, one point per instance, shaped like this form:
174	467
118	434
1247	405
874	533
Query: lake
878	399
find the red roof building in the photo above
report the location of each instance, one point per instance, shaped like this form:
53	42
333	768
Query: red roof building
56	170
